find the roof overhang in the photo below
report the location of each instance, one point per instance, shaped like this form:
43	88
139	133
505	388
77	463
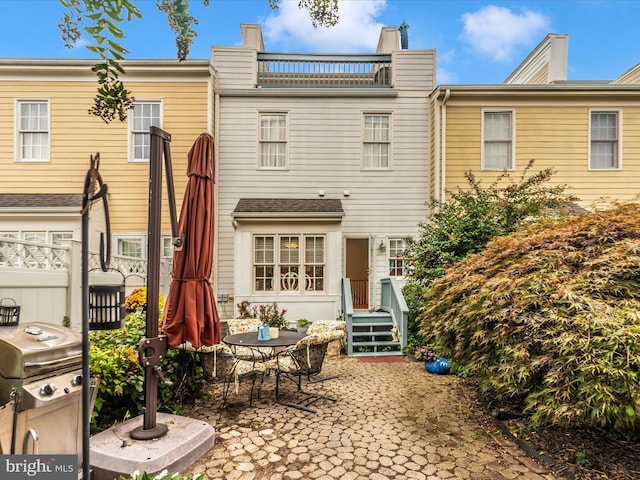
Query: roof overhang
288	209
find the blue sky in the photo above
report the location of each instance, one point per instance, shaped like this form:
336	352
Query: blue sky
476	41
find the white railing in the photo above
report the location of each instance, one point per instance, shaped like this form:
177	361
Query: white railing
309	70
16	253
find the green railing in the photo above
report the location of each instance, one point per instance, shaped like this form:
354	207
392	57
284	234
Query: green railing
392	301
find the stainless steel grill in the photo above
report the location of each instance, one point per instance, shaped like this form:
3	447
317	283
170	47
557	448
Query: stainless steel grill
41	384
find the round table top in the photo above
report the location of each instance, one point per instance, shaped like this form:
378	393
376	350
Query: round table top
250	339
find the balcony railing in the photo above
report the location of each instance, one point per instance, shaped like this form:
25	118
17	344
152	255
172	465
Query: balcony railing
323	71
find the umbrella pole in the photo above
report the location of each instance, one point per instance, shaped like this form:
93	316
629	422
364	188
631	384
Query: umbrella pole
153	348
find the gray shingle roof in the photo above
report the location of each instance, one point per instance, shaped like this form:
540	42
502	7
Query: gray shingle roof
289	207
40	200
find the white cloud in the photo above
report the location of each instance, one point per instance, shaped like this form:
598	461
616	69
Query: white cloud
445	77
497	32
289	28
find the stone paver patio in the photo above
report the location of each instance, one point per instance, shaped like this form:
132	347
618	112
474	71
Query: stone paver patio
392	420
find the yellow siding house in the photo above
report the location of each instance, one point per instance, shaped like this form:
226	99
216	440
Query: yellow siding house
47	137
586	130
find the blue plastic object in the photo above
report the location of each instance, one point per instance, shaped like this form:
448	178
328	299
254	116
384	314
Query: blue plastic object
263	333
440	366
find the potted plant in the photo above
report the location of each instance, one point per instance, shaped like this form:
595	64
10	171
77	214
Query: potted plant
270	315
302	325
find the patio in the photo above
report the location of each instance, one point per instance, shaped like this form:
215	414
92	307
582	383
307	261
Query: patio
392	420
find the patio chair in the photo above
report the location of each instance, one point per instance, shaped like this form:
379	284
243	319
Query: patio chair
304	359
332	330
244	325
220	365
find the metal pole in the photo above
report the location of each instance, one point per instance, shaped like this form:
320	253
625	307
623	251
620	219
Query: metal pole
153	348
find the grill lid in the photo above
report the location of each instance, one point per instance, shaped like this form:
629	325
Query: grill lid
35	348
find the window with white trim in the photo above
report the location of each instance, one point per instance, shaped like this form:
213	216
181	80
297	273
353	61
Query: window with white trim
396	262
144	115
376	144
273	140
32	130
497	140
604	140
292	267
167	247
131	245
58	238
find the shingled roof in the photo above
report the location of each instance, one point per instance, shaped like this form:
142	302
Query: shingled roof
40	200
288	207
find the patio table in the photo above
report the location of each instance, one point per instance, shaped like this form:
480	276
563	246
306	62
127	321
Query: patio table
250	339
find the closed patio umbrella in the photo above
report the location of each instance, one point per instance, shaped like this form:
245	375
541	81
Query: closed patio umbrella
190	313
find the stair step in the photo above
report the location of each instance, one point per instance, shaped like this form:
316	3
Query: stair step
357	335
376	344
372	324
376	354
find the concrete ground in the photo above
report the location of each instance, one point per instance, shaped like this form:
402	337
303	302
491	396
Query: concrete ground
392	420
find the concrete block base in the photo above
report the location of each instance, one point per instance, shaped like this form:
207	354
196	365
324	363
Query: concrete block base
113	452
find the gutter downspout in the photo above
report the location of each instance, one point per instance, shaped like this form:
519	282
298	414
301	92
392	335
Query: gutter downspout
443	147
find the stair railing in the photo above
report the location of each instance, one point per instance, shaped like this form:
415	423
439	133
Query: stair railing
392	301
347	312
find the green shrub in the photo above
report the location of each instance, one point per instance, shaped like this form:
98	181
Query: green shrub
114	361
473	215
549	316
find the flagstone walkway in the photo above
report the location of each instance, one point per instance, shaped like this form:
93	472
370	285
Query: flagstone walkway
392	420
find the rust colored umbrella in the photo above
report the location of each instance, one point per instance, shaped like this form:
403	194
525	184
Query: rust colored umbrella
190	313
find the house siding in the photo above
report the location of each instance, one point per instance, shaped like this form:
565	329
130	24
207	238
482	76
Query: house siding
325	144
75	135
555	136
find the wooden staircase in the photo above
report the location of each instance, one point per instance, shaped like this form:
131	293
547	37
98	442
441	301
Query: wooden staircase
380	332
371	334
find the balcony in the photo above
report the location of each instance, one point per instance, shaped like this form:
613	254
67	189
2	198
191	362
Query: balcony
278	70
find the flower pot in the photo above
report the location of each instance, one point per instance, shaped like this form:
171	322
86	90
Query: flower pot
439	367
274	332
304	329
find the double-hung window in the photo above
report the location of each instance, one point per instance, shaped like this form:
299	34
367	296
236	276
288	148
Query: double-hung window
376	141
497	140
604	148
296	265
273	140
144	115
396	261
32	130
131	246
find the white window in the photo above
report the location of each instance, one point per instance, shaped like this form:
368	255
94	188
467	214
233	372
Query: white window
377	141
604	148
131	246
396	262
32	130
144	115
314	263
167	247
273	140
58	238
497	140
39	237
264	263
292	267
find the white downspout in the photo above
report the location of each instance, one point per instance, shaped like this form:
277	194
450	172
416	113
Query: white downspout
443	147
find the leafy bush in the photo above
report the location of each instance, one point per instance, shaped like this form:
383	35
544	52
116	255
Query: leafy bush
474	215
114	360
549	316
